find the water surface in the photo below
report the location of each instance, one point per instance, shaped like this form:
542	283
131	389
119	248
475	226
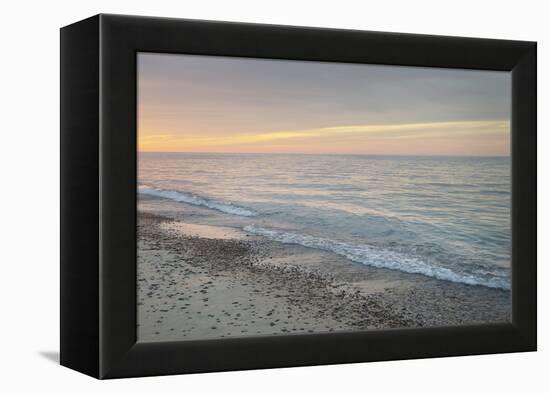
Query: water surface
444	217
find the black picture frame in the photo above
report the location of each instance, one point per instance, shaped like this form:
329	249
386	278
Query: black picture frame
98	194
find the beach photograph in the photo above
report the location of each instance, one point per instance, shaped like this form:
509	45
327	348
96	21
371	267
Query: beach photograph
280	197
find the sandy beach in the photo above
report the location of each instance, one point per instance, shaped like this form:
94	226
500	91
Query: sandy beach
200	281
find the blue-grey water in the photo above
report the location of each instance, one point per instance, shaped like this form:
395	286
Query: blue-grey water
444	217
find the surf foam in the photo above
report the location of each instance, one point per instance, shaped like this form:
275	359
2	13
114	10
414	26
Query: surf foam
196	200
378	257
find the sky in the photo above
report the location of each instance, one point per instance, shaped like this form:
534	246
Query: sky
190	103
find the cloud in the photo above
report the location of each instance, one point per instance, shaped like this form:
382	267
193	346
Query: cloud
308	136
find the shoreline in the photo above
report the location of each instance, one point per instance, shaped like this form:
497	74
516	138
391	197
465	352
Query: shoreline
204	282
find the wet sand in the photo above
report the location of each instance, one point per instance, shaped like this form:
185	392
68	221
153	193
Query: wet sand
203	281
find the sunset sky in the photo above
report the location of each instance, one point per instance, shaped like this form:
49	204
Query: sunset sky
220	104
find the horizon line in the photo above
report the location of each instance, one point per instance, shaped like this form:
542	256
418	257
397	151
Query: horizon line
328	153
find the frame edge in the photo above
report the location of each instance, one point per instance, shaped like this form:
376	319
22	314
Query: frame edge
524	196
79	147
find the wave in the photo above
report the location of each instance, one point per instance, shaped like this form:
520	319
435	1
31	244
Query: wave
196	200
380	258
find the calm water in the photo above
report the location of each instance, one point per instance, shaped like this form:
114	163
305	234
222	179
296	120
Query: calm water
444	217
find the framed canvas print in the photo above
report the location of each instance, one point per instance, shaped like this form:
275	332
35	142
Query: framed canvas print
238	196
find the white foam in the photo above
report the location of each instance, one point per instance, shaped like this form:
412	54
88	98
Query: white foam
196	200
378	257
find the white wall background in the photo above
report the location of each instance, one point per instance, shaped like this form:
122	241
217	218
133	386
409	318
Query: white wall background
29	181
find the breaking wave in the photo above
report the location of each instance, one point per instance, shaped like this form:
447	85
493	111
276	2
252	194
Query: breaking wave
381	258
196	200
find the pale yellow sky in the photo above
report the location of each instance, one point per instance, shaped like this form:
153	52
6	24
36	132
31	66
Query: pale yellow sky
215	104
